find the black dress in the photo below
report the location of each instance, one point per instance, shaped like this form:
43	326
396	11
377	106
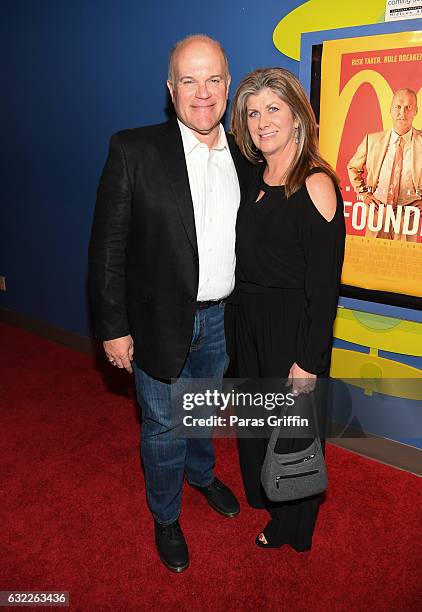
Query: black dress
289	260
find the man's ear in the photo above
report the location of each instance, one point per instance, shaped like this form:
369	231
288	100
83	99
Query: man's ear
228	81
171	90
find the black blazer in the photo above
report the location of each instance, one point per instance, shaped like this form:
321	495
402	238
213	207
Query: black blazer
143	254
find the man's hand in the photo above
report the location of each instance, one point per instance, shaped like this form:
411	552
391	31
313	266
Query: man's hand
369	199
120	352
300	380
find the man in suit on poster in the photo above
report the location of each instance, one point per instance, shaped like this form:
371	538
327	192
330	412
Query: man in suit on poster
393	163
161	263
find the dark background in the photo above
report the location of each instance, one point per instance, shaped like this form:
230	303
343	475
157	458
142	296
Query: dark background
74	72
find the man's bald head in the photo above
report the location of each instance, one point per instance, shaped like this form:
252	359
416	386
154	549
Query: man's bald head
404	107
185	42
412	93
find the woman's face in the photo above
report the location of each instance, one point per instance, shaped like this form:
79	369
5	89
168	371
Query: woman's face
270	122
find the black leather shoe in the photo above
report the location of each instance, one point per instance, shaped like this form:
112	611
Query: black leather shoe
220	498
171	546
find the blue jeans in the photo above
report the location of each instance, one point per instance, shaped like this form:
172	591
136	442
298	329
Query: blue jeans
167	458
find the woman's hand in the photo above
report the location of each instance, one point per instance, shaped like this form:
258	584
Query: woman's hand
300	380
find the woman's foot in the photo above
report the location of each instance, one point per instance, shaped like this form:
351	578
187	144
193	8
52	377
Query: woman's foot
268	536
262	542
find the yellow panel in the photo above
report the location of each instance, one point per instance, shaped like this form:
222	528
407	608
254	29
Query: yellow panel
323	15
379	332
376	374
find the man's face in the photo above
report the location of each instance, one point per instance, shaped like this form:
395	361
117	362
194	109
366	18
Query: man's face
200	88
403	111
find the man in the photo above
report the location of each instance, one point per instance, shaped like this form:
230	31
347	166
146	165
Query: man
392	160
161	262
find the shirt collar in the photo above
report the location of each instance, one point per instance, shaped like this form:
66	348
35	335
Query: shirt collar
407	137
190	141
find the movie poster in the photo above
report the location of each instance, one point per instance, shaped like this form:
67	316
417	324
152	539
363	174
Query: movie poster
370	133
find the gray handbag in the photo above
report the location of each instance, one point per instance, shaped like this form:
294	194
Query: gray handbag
290	476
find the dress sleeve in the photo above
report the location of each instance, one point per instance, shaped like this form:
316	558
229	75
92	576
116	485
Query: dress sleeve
323	246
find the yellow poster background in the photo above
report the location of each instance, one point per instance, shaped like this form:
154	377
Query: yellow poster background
370	263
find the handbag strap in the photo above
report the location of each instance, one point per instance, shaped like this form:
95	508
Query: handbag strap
277	428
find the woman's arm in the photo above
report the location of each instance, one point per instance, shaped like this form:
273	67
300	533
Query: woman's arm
323	244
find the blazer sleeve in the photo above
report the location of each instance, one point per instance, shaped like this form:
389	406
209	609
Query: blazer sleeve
356	166
323	245
107	247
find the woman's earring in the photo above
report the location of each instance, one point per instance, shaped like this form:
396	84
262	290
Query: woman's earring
297	134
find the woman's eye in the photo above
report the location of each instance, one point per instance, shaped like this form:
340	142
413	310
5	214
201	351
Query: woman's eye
253	114
273	109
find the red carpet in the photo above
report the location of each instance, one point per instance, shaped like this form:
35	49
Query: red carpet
74	516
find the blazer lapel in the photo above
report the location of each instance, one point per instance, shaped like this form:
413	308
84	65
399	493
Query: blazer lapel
245	170
234	152
171	149
380	149
416	159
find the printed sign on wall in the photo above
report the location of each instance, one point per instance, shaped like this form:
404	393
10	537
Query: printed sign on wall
369	132
396	10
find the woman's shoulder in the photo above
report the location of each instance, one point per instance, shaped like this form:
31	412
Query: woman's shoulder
323	193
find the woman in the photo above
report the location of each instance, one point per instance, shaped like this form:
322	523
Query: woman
289	248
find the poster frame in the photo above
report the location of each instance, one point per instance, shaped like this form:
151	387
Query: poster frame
377	302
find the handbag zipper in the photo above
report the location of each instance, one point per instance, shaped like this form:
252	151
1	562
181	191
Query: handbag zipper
278	478
300	460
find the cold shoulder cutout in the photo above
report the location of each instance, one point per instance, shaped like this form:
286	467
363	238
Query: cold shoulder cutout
322	193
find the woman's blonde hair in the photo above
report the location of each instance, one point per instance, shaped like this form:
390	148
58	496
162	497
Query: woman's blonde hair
287	87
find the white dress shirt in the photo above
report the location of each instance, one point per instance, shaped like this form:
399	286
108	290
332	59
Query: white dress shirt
407	190
216	196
